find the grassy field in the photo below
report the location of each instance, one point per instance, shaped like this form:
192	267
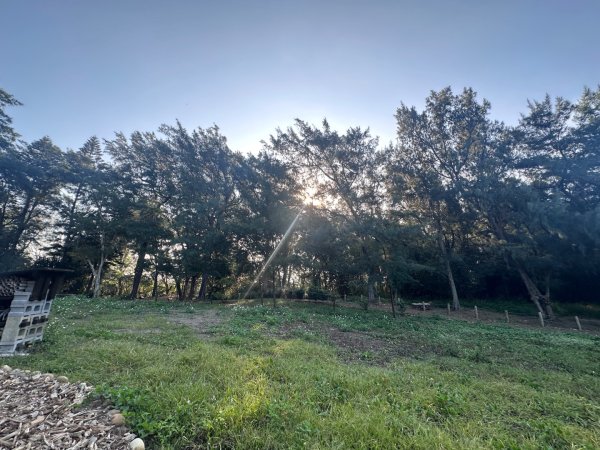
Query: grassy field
305	376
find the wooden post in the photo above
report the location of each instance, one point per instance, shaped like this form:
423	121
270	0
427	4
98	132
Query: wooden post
578	323
379	299
541	316
476	313
344	298
393	306
423	305
448	306
506	315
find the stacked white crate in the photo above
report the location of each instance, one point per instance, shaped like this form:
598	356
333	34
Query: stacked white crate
26	319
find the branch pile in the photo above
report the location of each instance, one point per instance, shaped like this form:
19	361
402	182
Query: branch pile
41	411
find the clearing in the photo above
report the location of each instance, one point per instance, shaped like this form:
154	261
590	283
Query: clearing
191	376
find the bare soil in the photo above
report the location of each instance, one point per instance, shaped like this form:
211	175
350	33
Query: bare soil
357	346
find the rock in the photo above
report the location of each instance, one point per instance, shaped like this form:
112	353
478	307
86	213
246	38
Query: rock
118	420
62	379
112	412
6	368
137	444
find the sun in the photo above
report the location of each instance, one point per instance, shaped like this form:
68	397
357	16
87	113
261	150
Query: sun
310	198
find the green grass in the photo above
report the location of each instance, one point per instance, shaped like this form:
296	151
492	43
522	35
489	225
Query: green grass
279	377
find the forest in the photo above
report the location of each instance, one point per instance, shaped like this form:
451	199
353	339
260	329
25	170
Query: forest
458	206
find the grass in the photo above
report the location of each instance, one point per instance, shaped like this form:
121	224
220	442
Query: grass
282	377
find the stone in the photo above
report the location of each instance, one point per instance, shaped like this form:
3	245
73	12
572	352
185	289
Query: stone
6	368
137	444
118	419
62	379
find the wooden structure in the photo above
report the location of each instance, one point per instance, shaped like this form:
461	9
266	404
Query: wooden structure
421	305
25	302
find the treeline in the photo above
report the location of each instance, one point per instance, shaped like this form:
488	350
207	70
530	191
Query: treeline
459	206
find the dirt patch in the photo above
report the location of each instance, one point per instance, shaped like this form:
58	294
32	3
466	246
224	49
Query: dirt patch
203	321
353	346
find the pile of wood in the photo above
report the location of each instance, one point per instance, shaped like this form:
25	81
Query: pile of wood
41	411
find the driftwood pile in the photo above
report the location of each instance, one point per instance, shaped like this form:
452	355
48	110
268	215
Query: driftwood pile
41	411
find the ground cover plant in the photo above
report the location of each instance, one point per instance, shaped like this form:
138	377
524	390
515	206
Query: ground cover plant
249	376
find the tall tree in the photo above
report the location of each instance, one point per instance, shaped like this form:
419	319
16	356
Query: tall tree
345	173
144	166
433	163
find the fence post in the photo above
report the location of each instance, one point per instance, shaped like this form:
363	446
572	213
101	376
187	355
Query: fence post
541	316
506	315
578	323
476	313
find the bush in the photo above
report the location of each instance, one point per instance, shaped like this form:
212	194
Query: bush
315	293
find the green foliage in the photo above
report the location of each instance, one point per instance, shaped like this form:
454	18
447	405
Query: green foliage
315	293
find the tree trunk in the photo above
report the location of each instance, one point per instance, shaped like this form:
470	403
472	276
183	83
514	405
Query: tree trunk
186	283
192	291
262	294
546	300
88	289
274	297
540	301
203	285
155	285
139	270
371	291
178	289
449	274
97	276
393	298
167	286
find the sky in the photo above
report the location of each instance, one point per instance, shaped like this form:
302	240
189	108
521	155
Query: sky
83	67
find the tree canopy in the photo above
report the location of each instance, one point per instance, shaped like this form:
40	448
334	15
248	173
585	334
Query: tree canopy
459	206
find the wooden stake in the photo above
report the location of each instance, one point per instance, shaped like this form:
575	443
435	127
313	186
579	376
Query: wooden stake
423	305
541	316
476	313
506	315
448	305
393	306
578	323
344	298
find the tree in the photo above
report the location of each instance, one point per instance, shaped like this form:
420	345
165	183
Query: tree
345	173
433	163
30	181
207	178
144	166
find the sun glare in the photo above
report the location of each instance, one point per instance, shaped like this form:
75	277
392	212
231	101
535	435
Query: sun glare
309	197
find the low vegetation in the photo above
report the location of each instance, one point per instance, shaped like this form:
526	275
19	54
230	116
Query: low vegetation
248	376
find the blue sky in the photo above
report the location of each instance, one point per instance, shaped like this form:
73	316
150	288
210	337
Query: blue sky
85	68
